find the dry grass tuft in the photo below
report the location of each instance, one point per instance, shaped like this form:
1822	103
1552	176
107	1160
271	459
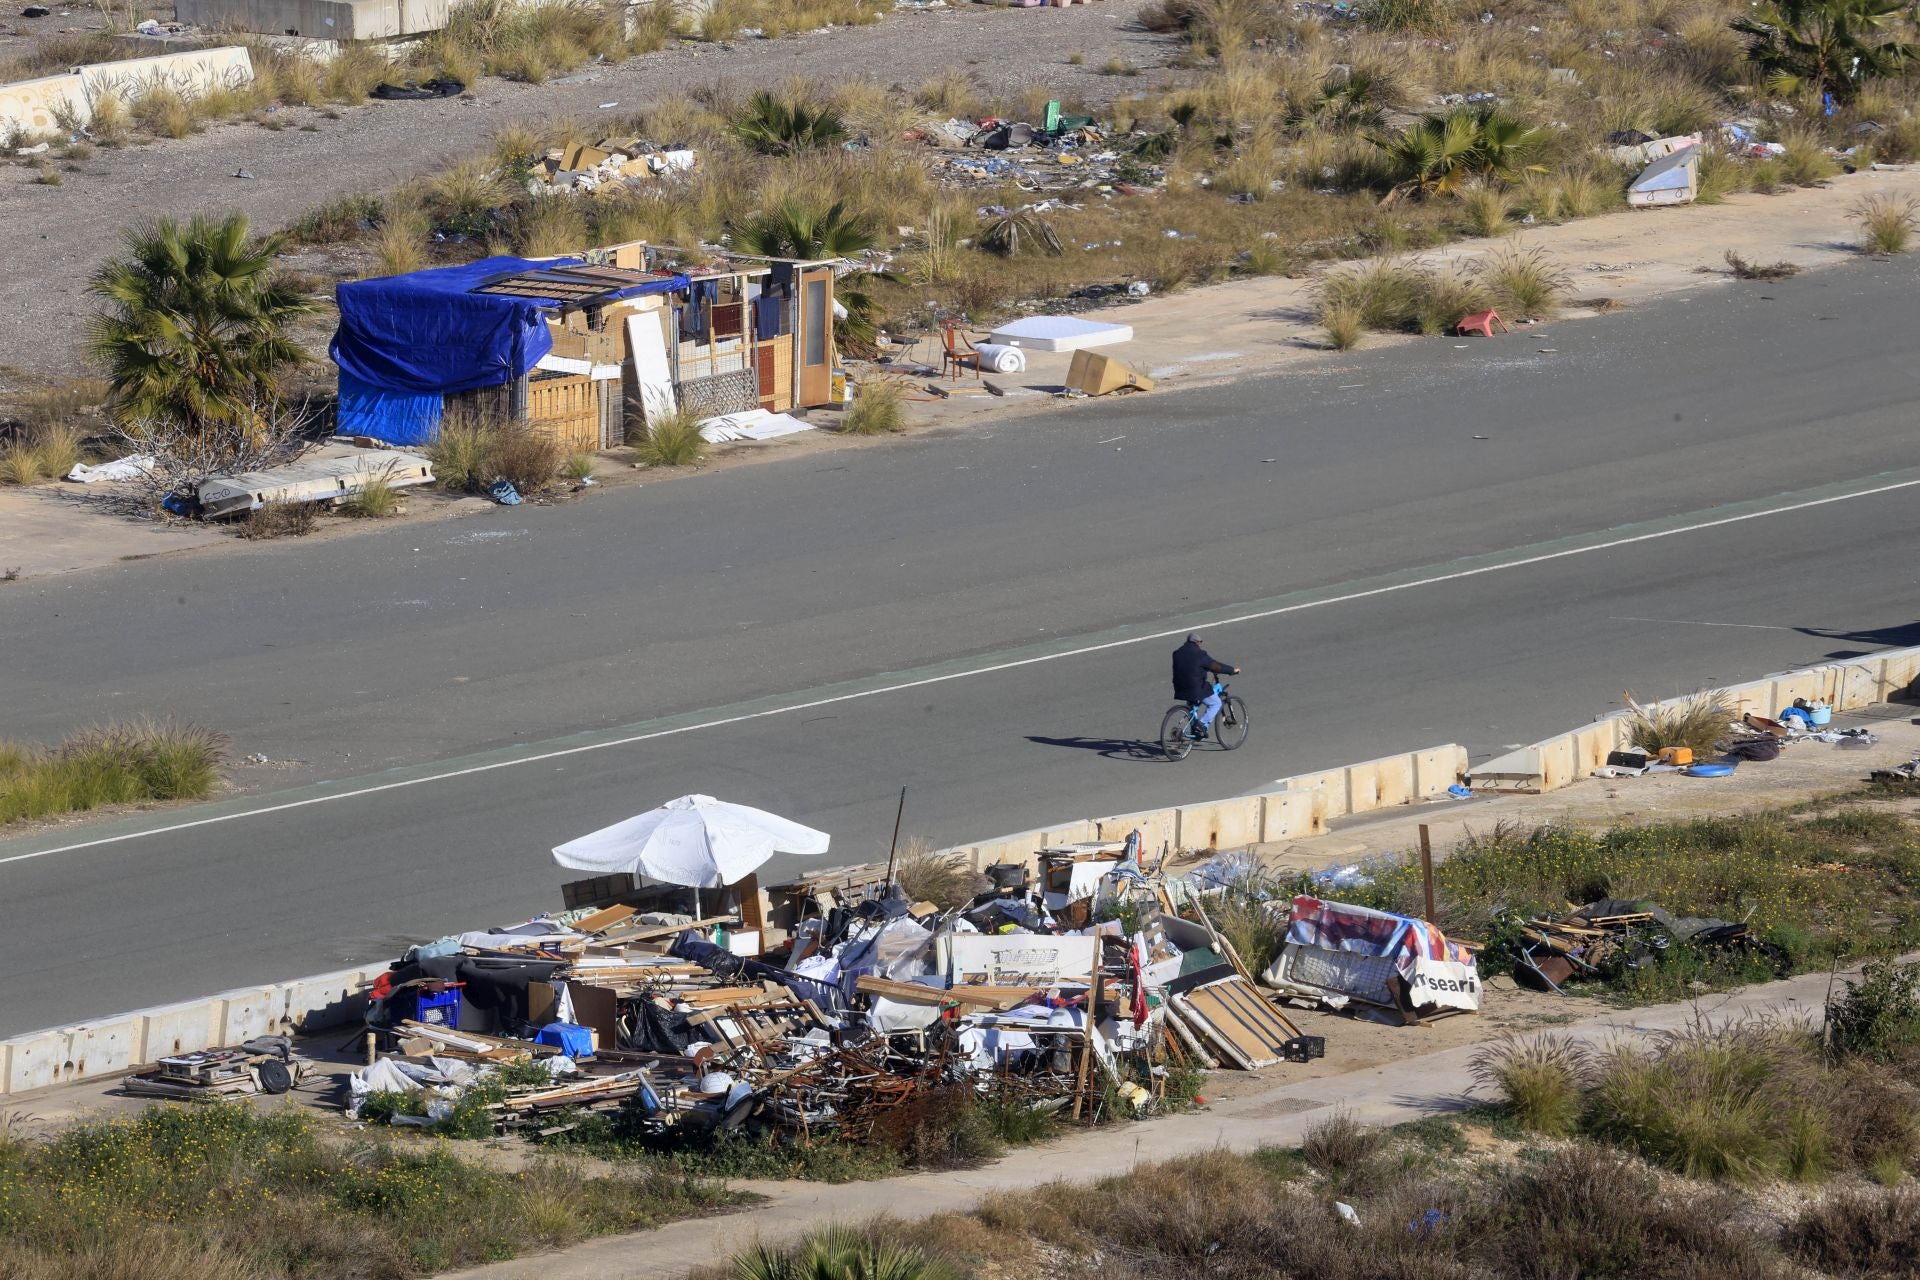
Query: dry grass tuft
944	879
879	408
1697	723
1744	270
673	440
131	762
1543	1080
1886	222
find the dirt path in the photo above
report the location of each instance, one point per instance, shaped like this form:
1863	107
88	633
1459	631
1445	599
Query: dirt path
55	236
1421	1084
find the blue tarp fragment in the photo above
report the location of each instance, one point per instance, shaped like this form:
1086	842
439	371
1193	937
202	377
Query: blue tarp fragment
428	333
395	417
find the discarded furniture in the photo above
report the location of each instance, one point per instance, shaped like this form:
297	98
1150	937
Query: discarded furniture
957	351
1336	953
1482	323
1672	179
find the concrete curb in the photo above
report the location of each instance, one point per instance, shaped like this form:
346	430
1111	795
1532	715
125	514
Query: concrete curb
1567	757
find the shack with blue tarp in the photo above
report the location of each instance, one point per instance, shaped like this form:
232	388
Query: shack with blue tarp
584	349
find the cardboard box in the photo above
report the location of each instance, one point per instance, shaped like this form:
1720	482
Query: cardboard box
580	156
1098	375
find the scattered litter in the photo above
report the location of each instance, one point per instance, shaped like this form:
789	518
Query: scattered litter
503	492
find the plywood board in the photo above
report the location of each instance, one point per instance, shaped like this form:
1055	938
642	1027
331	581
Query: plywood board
1238	1021
652	371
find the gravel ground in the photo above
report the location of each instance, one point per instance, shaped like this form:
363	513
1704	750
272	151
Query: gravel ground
55	236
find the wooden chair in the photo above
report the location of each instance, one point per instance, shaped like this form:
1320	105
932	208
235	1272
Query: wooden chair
956	351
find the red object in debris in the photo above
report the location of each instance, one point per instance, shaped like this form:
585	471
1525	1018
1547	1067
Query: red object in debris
1481	322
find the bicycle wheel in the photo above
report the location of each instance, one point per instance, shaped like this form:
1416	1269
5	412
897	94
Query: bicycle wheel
1173	733
1230	726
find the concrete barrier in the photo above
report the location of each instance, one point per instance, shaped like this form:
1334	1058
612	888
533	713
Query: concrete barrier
49	104
1847	686
58	104
318	19
191	73
107	1047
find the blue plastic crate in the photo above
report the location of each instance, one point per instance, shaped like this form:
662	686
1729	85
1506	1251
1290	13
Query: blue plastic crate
441	1010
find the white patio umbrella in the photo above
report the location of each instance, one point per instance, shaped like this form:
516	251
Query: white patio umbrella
696	841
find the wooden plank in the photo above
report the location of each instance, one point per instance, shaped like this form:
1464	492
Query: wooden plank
1231	1014
605	918
996	998
648	933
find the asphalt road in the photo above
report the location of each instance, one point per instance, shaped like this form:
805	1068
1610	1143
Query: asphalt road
799	635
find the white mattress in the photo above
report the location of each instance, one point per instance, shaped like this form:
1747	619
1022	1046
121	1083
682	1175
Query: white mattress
1060	333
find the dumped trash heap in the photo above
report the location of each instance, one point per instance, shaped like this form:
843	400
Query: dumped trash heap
610	164
1033	992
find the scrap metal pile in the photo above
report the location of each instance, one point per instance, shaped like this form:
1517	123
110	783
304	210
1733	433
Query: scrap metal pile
1605	937
871	1005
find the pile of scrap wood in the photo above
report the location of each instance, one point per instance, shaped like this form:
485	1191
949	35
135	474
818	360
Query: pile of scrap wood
1604	937
265	1065
1030	991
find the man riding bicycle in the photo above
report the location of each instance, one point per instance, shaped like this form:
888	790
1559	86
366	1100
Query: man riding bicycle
1191	666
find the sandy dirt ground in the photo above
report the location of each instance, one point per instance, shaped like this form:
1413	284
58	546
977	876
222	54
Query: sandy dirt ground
56	236
1191	338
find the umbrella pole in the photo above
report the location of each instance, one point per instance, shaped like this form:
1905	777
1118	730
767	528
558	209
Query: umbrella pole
894	848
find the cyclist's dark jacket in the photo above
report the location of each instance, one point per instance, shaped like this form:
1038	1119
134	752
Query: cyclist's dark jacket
1191	664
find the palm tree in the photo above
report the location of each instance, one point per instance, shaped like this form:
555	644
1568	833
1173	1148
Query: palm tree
193	330
1440	155
778	127
1826	46
796	229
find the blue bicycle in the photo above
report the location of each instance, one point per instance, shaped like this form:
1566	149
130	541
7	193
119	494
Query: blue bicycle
1180	727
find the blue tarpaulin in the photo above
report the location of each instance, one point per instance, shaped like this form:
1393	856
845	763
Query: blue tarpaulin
428	333
396	417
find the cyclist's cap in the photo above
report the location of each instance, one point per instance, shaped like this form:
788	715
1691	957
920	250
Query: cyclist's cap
1193	637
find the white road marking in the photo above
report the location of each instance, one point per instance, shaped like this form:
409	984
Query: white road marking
1687	622
1368	593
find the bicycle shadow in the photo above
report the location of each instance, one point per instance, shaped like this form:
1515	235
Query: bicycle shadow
1111	748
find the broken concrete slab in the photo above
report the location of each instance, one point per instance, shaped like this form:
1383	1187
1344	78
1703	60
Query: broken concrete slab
325	479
